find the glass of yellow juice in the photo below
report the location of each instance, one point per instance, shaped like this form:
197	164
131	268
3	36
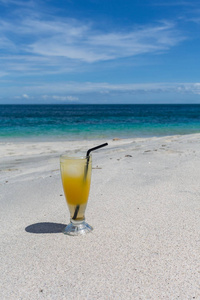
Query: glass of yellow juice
76	172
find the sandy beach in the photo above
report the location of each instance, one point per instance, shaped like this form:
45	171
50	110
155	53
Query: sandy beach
144	206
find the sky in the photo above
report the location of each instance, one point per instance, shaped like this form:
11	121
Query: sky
99	51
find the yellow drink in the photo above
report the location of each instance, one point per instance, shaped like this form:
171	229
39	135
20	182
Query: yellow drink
76	178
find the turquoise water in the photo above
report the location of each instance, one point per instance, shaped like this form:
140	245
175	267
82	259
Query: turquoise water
74	122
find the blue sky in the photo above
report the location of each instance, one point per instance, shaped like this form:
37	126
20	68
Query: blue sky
99	51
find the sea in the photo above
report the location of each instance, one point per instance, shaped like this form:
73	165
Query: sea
78	122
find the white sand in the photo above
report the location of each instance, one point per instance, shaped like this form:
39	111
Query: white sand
144	207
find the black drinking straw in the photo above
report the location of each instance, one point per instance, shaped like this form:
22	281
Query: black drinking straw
76	212
85	173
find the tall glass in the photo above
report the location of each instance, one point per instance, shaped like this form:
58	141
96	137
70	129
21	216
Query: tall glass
76	177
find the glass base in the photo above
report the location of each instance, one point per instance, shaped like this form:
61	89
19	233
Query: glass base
77	228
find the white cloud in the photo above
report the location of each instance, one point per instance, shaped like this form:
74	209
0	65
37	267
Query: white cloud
75	89
195	20
74	40
20	65
60	98
65	98
22	3
36	43
6	43
3	74
103	92
81	42
25	96
193	88
63	46
174	3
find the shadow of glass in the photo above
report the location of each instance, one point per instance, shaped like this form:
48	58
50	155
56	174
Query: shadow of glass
45	227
